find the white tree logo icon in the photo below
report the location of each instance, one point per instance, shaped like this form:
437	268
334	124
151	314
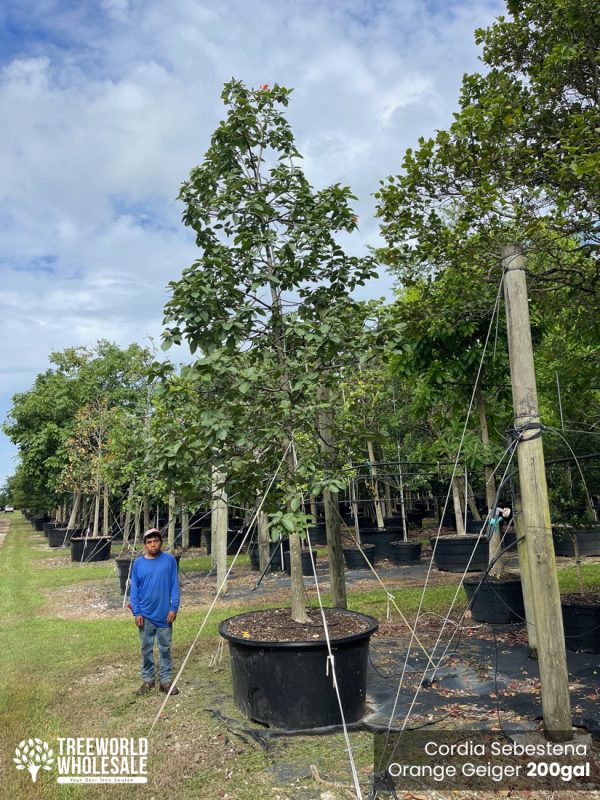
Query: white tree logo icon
33	755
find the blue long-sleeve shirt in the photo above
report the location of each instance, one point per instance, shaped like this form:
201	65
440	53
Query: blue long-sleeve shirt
154	588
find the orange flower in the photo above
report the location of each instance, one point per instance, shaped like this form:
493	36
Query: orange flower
354	219
265	87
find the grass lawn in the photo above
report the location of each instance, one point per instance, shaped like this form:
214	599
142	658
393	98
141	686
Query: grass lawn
70	675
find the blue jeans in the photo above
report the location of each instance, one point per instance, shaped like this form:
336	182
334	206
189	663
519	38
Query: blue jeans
163	637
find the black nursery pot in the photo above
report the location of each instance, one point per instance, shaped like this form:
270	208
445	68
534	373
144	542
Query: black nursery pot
496	601
287	684
452	553
123	568
318	534
581	622
48	526
90	549
406	552
277	564
588	541
306	562
381	539
61	537
234	539
356	560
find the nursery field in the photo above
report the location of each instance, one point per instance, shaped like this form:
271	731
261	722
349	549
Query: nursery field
70	662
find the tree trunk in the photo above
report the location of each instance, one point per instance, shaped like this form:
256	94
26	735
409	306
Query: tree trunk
185	528
146	514
127	526
490	483
106	513
219	528
375	486
137	530
298	611
389	505
332	515
72	523
172	520
460	527
335	552
402	508
264	547
96	529
525	578
468	490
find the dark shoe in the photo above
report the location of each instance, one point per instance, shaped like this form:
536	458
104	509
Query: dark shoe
164	687
145	688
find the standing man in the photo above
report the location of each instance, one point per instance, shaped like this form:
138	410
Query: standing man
154	604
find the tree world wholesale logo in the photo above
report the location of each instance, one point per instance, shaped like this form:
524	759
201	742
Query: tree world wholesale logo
117	759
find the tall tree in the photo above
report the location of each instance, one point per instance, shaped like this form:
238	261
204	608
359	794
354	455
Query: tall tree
268	301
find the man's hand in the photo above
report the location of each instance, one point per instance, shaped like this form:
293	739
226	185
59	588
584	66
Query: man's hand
171	616
139	621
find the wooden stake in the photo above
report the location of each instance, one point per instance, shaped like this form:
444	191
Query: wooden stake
554	679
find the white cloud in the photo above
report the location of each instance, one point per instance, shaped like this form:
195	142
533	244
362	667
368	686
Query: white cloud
106	107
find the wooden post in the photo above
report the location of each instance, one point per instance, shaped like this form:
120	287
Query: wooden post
552	660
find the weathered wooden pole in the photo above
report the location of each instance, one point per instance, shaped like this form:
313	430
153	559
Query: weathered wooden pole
550	638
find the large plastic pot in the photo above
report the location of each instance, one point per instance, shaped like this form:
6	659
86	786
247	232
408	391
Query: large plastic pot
587	540
382	541
581	622
307	568
287	684
278	562
123	568
317	534
90	549
406	552
48	526
195	535
453	553
234	539
498	602
355	559
61	537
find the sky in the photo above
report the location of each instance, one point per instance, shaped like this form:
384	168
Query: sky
106	105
